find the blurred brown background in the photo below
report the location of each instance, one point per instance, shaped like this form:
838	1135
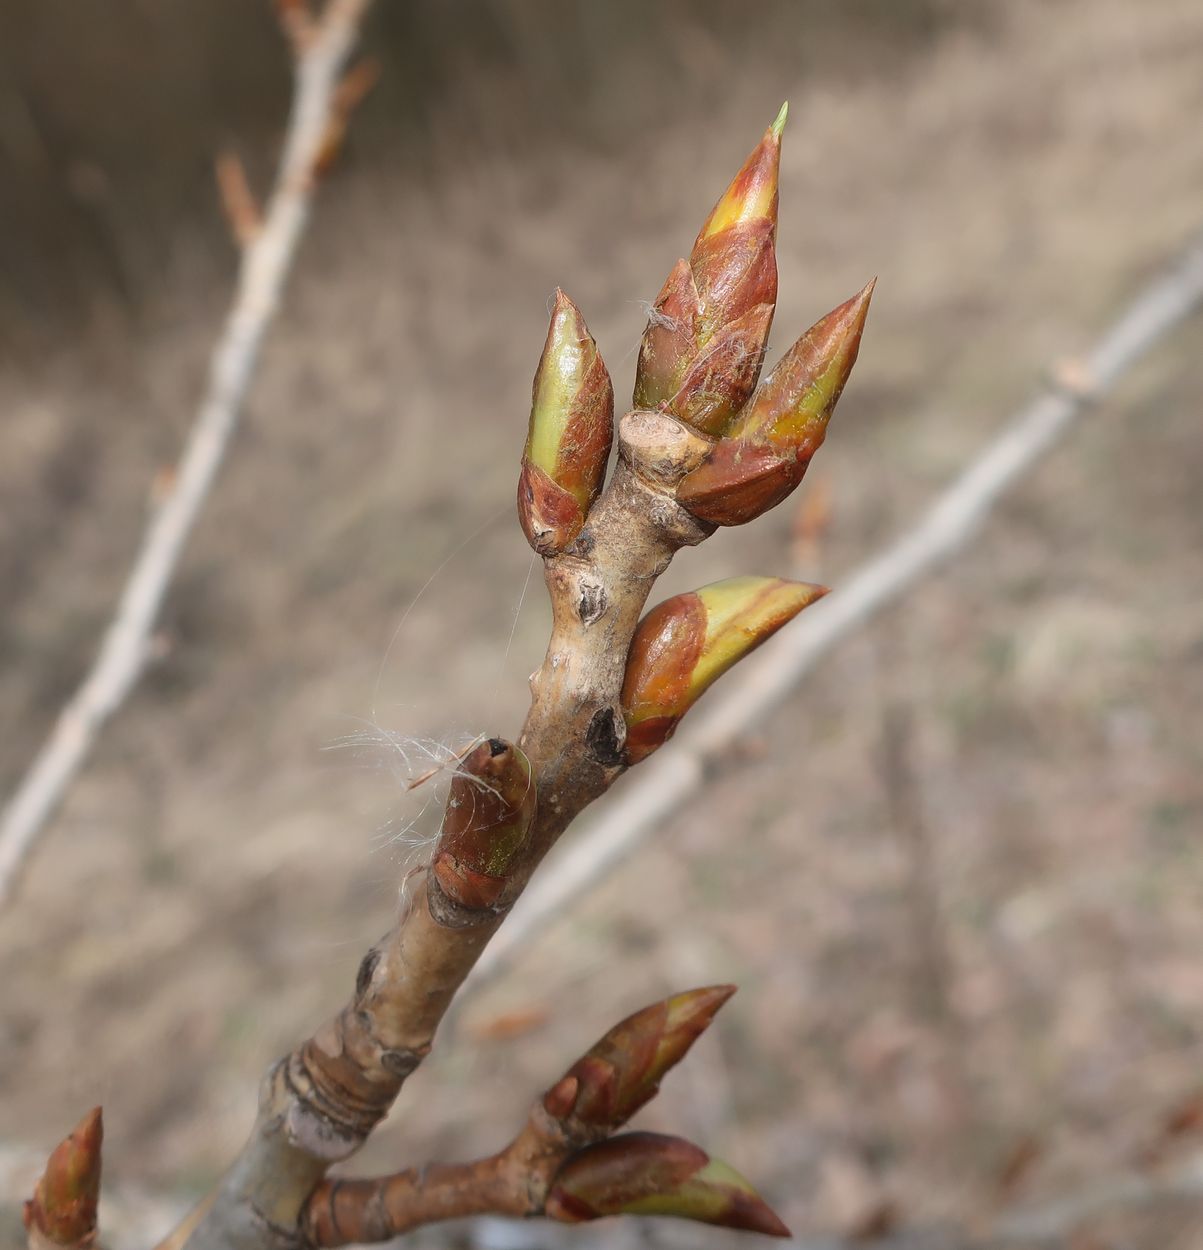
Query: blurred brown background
958	877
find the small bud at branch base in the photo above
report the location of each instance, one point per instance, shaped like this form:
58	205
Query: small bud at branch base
490	807
63	1206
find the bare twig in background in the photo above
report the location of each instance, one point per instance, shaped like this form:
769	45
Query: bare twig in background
948	525
934	970
908	821
319	101
1052	1223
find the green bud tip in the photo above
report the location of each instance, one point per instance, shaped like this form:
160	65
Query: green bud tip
652	1174
778	126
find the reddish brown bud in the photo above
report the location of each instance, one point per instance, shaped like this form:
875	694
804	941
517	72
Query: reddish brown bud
768	447
683	645
650	1174
704	343
624	1069
670	341
489	811
571	427
63	1206
733	258
720	379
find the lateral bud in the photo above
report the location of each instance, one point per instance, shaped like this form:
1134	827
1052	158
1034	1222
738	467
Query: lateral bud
623	1071
766	450
652	1174
571	428
490	807
704	343
62	1210
685	644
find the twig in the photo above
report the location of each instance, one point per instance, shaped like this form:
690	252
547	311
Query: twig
685	766
603	548
266	261
1051	1222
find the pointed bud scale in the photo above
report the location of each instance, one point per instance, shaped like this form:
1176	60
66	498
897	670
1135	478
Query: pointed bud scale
489	811
624	1069
571	427
797	398
733	258
767	449
722	377
670	341
651	1174
683	645
63	1207
752	195
728	286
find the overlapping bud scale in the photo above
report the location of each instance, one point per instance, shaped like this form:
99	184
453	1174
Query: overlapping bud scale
705	340
766	450
571	428
651	1174
683	645
608	1084
485	826
63	1207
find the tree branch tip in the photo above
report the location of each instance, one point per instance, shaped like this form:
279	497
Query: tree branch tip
355	85
238	201
297	23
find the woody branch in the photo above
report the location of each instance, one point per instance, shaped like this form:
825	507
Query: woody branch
704	446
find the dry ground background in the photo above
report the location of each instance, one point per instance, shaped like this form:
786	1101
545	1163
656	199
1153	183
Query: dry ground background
1011	171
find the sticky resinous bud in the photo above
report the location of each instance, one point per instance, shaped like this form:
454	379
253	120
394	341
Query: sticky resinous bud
486	824
568	440
622	1071
62	1210
704	344
652	1174
685	644
767	449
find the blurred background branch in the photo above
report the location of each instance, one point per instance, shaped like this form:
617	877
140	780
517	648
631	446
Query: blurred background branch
268	247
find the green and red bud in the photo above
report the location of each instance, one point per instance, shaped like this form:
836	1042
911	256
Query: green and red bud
733	259
718	381
63	1207
571	428
608	1084
486	824
670	341
704	344
766	450
651	1174
683	645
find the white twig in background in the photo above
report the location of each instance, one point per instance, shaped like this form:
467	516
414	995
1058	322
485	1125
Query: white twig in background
681	769
266	261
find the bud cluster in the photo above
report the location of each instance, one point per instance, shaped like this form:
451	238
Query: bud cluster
644	1173
705	343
